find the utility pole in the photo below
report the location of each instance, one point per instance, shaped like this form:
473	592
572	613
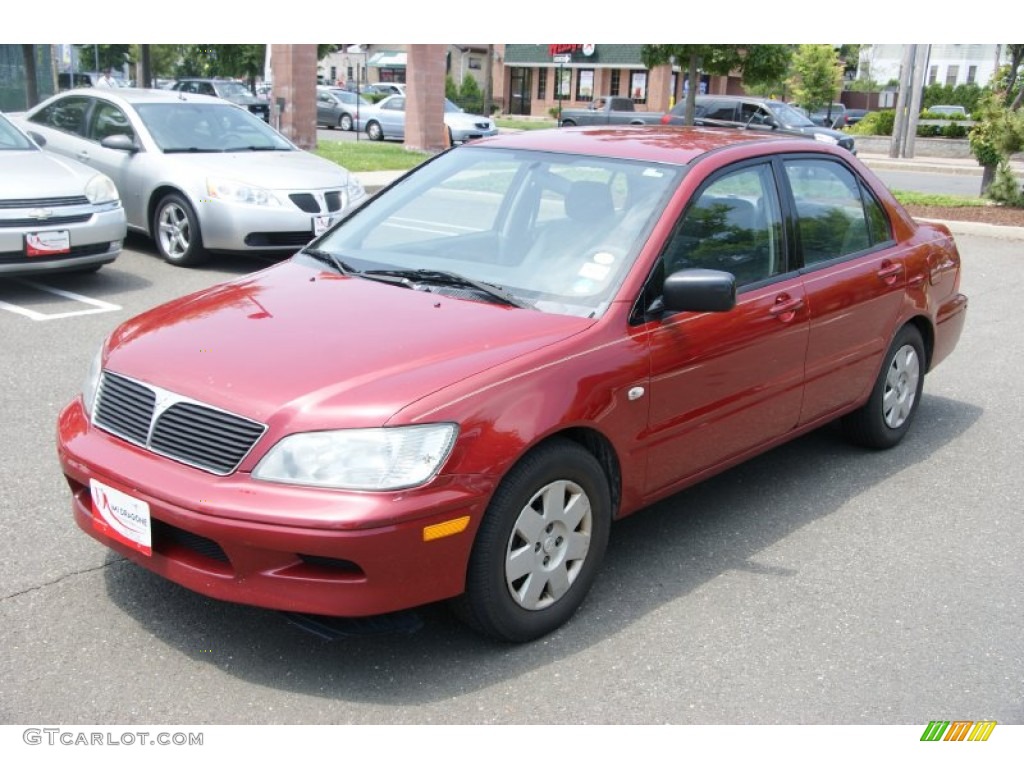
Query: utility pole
917	90
899	128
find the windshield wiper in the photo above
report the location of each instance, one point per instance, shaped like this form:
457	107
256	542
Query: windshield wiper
189	149
332	259
441	277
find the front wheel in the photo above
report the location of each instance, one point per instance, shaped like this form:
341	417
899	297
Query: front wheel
345	122
539	546
885	418
176	231
568	123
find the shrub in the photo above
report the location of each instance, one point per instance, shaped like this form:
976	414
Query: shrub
876	124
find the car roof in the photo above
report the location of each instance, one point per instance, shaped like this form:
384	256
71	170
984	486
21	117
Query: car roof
132	96
677	145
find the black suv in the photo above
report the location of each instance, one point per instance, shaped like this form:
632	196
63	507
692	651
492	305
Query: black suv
234	91
756	114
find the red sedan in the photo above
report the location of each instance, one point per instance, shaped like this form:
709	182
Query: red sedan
455	391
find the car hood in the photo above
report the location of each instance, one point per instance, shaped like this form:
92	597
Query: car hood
34	174
293	169
811	130
464	119
299	348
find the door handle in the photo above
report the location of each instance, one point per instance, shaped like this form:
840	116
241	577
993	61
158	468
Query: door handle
785	305
888	272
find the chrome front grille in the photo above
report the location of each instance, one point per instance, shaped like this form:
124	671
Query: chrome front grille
174	426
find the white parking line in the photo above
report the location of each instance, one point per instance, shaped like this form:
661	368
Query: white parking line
96	306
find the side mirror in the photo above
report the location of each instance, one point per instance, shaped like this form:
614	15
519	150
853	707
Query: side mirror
699	290
121	142
38	138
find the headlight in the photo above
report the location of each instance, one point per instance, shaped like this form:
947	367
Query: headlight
236	192
381	459
353	190
826	138
100	189
92	381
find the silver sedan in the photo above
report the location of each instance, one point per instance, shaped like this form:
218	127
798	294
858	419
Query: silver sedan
55	214
196	173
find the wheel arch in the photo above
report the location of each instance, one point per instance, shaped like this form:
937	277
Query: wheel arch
927	331
158	194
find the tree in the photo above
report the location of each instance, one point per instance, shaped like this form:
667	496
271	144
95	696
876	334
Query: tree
817	74
758	63
1014	76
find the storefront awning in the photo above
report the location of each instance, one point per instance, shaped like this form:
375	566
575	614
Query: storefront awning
387	59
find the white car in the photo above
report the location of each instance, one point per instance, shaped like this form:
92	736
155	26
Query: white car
387	121
196	173
55	214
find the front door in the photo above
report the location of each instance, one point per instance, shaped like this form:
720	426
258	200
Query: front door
519	98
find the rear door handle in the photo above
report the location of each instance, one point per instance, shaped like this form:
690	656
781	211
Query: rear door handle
890	271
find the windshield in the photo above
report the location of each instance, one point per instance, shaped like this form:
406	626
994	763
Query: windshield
557	233
12	138
789	117
451	106
231	88
204	127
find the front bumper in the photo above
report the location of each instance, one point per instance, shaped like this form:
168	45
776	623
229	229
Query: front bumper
283	547
95	240
460	135
231	227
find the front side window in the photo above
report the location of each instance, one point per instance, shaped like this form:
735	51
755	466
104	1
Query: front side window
107	120
734	225
836	215
558	232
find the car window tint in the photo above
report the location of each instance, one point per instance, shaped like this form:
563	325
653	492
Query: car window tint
830	209
66	115
753	114
734	225
878	222
721	110
108	120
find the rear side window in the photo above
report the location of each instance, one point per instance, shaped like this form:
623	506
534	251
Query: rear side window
721	110
66	115
836	215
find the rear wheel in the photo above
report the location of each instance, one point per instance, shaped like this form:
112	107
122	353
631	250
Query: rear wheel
568	123
176	231
374	131
539	546
885	418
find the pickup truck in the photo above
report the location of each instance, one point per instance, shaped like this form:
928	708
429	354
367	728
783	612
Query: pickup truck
609	110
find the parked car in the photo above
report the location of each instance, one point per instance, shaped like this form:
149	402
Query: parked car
849	117
234	91
55	213
567	326
756	114
954	111
828	115
387	121
336	108
68	80
383	89
608	110
196	173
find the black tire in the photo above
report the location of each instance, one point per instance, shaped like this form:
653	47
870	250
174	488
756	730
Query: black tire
374	131
555	557
886	417
176	232
568	123
345	122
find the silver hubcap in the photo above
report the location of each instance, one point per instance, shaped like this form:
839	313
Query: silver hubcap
548	545
175	235
901	387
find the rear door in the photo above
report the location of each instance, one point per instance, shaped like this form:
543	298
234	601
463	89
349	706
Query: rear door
854	276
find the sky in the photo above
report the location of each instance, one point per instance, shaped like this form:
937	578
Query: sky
525	21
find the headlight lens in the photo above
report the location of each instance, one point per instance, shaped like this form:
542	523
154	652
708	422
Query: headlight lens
100	189
826	138
92	381
230	191
381	459
354	191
